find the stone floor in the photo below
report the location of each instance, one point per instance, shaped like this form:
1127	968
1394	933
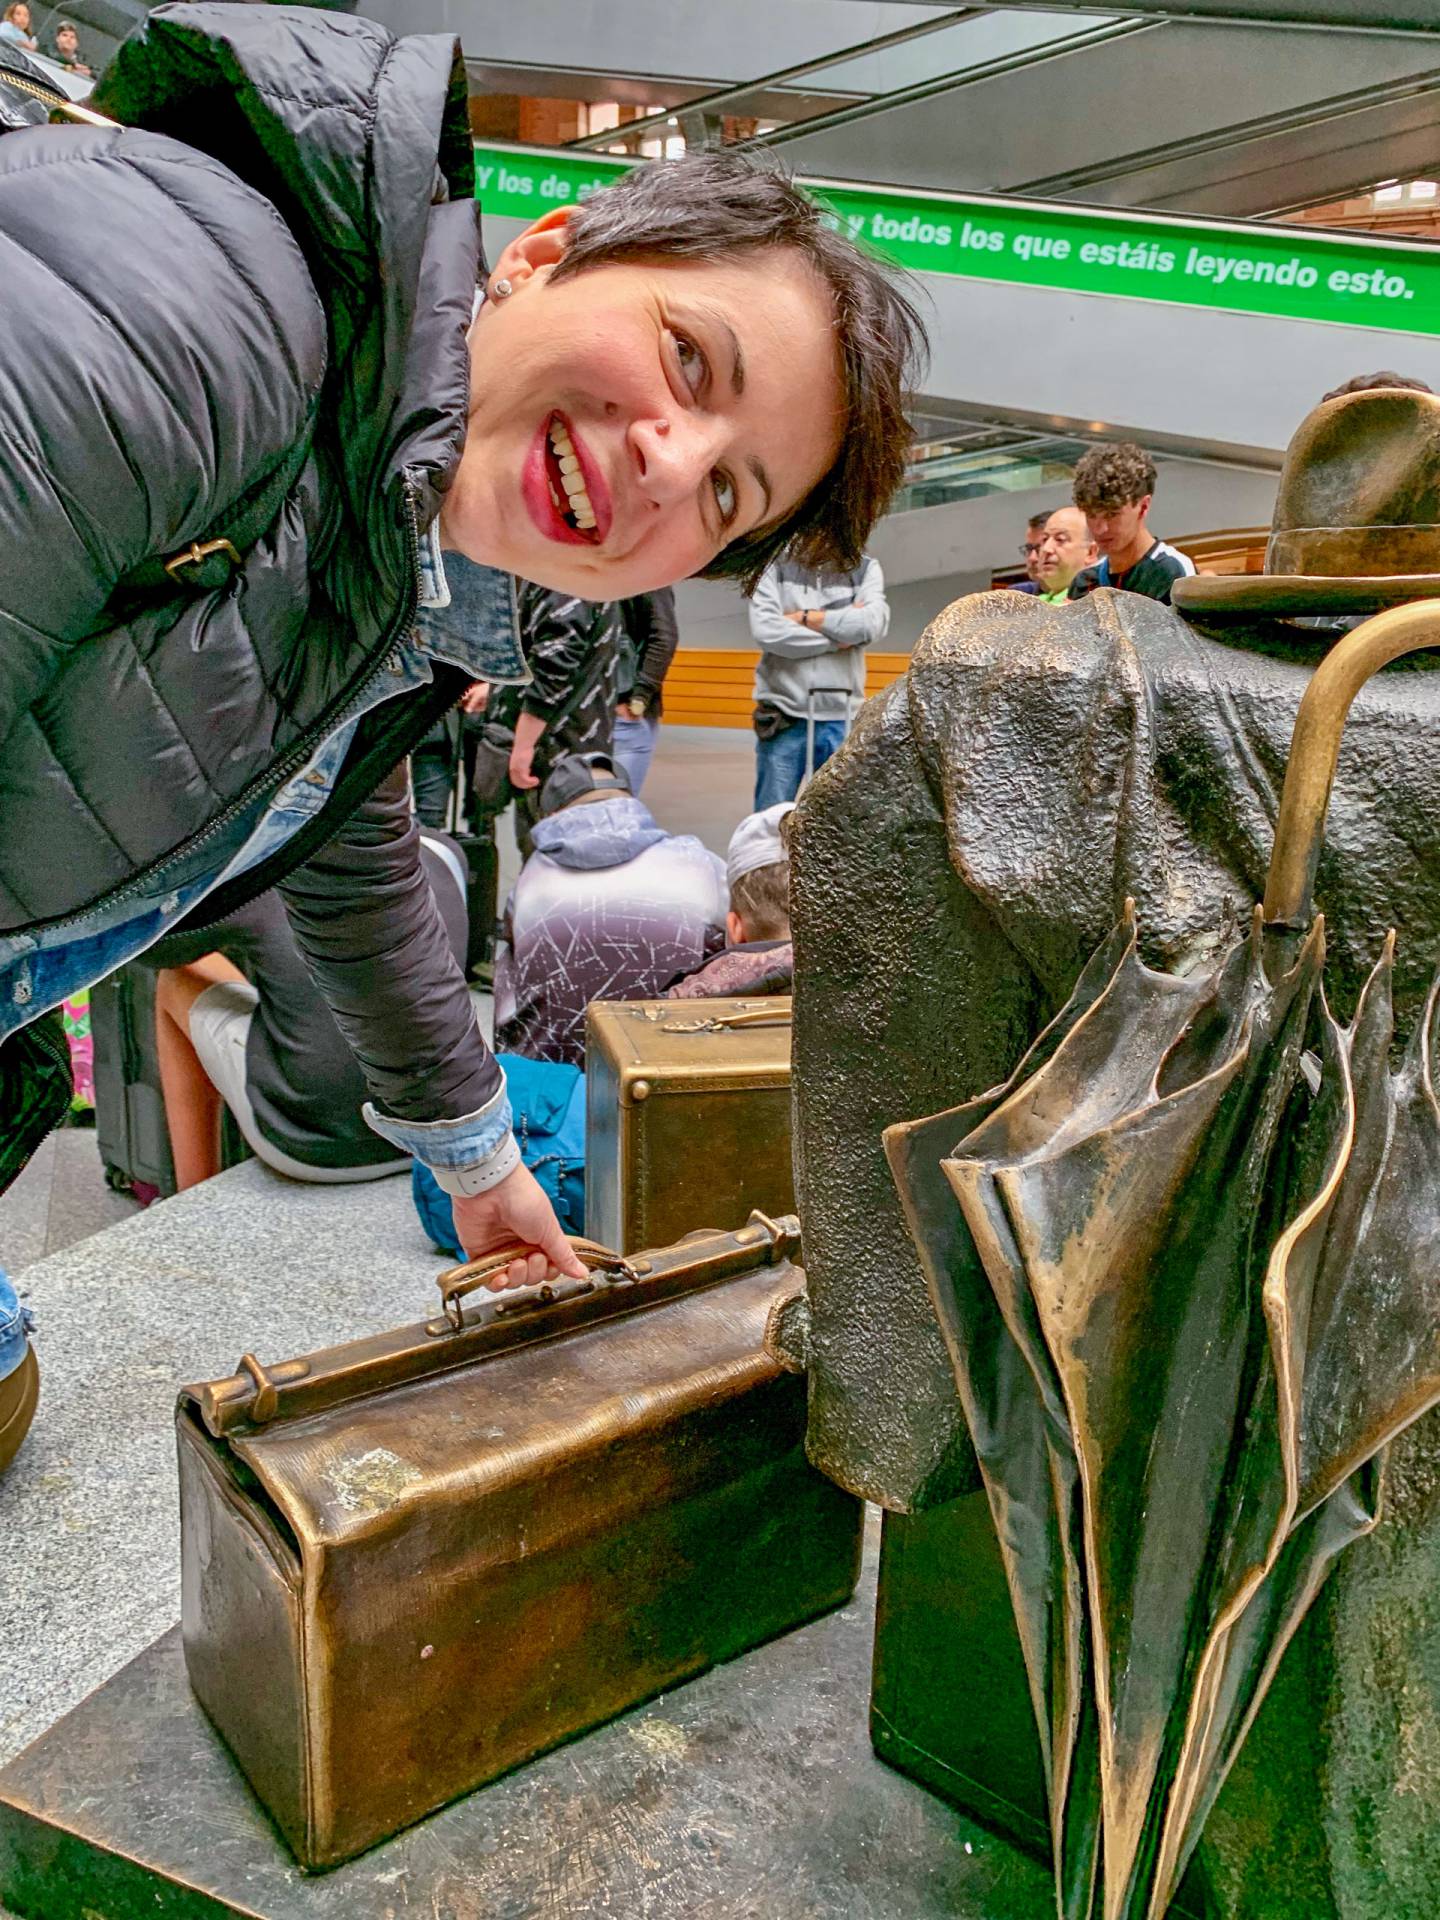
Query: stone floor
702	781
248	1261
60	1198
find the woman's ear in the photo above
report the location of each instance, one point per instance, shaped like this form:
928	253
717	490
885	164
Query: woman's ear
541	245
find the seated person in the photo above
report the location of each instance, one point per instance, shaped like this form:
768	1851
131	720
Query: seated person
758	956
244	1024
608	907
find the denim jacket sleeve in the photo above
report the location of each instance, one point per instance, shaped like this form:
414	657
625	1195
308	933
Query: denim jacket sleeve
366	921
14	1325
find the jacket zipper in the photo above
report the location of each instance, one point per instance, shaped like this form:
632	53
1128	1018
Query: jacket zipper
57	102
294	758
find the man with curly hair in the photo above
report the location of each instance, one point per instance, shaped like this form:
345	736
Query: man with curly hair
1114	487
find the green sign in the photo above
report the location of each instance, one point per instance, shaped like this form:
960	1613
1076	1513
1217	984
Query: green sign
1292	272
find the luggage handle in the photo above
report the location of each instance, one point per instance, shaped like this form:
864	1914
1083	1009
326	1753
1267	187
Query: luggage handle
258	1397
456	1282
729	1022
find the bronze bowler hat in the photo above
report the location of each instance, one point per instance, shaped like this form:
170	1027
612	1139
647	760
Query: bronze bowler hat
1357	516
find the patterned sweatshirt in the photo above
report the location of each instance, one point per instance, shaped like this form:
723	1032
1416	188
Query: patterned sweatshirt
608	907
575	651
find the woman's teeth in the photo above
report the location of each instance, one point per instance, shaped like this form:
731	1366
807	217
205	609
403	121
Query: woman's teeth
577	500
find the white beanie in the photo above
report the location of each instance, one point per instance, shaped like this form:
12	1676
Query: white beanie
756	841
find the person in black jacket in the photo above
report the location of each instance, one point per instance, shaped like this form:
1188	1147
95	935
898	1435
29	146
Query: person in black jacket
573	649
256	514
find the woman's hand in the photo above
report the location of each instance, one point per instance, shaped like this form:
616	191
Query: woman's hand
516	1209
474	697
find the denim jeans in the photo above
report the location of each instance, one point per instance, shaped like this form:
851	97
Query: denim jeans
633	746
432	774
780	763
14	1321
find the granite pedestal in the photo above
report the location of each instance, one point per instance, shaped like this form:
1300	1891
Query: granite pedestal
90	1572
751	1792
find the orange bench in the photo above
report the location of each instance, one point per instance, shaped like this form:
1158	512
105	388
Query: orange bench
711	686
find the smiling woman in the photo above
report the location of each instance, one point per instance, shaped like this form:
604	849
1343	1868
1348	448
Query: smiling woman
263	409
688	373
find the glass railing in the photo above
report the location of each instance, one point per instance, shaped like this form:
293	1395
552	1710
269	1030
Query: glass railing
1003	461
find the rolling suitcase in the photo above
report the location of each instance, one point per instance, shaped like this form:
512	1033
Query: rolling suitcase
411	1563
130	1126
687	1115
482	887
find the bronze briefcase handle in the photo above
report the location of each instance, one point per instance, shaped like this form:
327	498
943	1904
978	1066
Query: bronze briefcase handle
257	1396
728	1022
456	1282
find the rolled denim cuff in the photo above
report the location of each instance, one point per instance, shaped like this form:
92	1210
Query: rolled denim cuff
479	1140
15	1324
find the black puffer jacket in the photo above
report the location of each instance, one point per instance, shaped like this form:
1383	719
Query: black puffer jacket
278	250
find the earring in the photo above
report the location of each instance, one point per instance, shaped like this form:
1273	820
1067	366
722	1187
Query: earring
500	289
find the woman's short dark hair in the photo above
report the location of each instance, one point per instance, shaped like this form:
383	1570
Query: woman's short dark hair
710	206
1110	477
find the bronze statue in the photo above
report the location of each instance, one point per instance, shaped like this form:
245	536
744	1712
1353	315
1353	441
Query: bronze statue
1040	766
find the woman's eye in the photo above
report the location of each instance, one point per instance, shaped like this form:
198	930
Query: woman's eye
692	362
724	494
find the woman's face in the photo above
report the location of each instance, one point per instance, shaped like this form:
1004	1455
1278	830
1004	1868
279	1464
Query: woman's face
21	17
629	423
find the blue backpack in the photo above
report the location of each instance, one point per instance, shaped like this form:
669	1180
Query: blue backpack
548	1102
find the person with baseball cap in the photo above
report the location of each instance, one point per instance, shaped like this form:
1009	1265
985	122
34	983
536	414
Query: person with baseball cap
608	907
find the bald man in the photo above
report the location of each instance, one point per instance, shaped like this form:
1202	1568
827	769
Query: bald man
1064	551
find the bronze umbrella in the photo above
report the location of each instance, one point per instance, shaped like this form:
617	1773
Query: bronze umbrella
1191	1290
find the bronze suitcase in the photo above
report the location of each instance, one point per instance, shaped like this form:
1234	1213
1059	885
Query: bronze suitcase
415	1561
687	1115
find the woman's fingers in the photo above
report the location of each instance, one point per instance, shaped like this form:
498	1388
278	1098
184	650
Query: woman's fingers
516	1209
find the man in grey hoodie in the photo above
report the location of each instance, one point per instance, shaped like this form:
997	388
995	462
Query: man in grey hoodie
608	907
812	630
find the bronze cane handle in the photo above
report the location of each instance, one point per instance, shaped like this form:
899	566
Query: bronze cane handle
456	1282
1315	748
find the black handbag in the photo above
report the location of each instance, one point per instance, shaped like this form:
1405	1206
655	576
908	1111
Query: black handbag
490	780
